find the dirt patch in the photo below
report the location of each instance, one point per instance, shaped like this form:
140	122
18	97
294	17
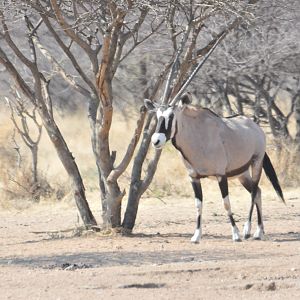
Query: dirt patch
40	258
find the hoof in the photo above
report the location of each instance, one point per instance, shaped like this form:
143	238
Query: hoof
259	234
194	241
196	237
236	234
237	240
247	230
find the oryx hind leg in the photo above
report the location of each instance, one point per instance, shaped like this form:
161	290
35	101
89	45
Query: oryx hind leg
247	182
256	198
259	233
252	187
198	203
223	184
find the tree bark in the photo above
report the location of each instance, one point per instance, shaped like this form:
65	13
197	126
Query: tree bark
70	166
297	118
135	191
34	154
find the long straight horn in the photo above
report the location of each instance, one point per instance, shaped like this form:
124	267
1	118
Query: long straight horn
169	79
172	71
198	67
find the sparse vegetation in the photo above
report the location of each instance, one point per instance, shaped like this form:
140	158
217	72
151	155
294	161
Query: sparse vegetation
18	189
286	159
170	179
111	61
86	67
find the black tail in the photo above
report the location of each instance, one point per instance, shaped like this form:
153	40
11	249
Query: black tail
271	174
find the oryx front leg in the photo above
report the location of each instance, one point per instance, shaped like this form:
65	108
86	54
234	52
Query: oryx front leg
198	203
223	184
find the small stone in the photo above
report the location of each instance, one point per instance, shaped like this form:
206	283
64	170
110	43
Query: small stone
248	286
271	286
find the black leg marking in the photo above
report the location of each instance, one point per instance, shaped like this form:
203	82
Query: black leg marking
250	212
259	219
197	190
198	221
254	191
231	219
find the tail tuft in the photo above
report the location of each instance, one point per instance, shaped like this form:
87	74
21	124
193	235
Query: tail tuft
271	174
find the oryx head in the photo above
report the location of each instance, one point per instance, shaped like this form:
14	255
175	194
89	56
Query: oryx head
166	119
165	113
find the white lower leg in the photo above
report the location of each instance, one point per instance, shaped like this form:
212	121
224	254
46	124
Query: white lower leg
235	234
247	230
259	233
198	232
197	236
234	229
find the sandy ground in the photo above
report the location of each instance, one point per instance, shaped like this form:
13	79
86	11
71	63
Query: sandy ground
158	261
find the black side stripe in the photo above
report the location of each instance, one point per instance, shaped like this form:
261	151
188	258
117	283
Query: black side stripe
240	170
176	146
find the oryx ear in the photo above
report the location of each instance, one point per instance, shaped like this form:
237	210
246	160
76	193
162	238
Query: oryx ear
151	106
185	99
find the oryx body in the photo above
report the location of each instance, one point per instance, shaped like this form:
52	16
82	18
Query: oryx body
215	146
212	146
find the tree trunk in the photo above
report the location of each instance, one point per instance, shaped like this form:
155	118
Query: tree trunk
135	191
93	106
114	203
34	154
297	118
104	207
133	204
112	199
70	166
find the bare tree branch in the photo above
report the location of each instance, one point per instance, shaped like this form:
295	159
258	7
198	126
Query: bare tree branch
120	169
67	29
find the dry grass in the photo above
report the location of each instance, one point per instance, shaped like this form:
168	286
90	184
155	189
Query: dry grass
170	179
285	159
16	184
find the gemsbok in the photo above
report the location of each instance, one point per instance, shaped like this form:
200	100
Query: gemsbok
213	146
